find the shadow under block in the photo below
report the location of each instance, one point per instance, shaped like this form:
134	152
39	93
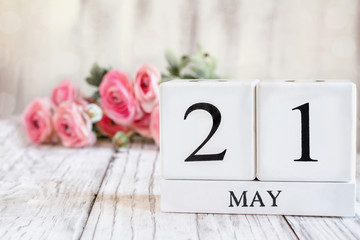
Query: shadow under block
306	131
256	197
207	129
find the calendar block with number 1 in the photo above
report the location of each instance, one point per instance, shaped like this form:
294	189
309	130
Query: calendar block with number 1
306	131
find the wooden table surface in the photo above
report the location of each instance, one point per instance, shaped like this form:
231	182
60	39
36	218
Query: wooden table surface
52	192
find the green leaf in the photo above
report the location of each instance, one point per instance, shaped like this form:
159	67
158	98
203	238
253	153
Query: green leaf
189	76
96	75
96	95
97	132
193	66
211	65
172	59
173	71
183	62
200	72
165	78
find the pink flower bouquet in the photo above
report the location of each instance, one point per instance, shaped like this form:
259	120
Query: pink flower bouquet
118	110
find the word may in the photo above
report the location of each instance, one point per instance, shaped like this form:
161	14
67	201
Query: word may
257	198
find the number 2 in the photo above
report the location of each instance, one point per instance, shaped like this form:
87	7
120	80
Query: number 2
305	132
216	117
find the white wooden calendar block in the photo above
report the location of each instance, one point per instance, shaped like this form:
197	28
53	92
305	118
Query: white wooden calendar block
256	197
207	129
306	131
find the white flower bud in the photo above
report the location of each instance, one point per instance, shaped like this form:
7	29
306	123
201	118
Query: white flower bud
94	112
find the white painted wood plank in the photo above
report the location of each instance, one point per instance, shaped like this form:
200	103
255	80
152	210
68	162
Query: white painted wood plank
222	226
127	207
50	40
325	227
46	191
329	227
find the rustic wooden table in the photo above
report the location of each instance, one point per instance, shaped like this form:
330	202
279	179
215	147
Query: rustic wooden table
52	192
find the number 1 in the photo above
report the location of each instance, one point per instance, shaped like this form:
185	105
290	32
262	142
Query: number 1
305	130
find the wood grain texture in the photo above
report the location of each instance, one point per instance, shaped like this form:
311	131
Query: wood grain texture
46	191
43	41
329	227
127	207
127	201
51	192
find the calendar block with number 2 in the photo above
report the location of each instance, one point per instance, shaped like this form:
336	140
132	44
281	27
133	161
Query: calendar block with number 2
208	130
256	147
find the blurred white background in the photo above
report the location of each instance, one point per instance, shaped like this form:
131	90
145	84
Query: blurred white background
44	41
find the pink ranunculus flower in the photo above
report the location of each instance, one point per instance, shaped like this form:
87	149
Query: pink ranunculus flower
117	97
109	128
73	126
64	92
154	125
139	112
37	119
146	87
142	125
81	102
